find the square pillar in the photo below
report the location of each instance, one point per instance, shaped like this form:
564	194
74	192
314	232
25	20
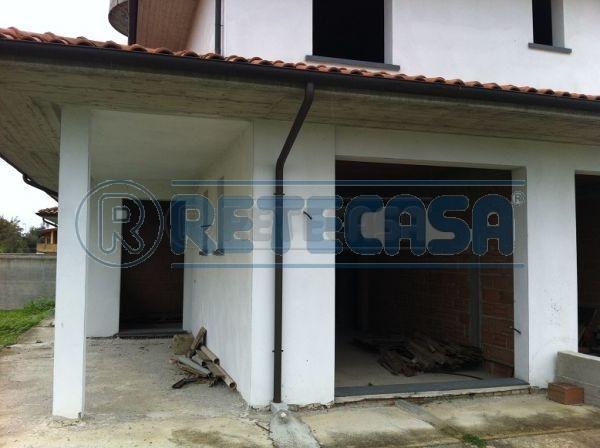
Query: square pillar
71	269
104	278
546	288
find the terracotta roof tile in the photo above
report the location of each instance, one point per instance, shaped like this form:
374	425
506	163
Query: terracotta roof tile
52	211
14	34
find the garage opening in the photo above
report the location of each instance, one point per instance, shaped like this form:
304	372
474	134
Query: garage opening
151	290
408	323
588	262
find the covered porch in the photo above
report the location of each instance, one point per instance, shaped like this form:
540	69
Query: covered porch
78	119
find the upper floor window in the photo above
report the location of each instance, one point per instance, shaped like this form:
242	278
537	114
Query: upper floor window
548	23
349	29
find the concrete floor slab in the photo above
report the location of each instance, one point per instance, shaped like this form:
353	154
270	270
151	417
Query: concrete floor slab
356	366
288	431
372	427
578	439
129	400
218	432
43	332
511	416
131	404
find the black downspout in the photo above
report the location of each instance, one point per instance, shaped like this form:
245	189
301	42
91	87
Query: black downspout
133	22
218	26
309	95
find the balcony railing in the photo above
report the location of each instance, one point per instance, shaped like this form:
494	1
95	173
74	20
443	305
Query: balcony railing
46	248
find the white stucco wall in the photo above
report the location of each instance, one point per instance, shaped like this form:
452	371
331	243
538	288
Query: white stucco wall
271	29
483	40
220	298
487	41
202	34
308	294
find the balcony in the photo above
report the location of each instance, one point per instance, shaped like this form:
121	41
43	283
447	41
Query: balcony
118	16
160	23
45	248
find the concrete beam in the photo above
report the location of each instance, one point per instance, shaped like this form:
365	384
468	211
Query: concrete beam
72	261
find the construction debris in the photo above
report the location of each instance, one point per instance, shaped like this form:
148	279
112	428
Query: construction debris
198	342
404	355
188	380
201	364
589	330
181	343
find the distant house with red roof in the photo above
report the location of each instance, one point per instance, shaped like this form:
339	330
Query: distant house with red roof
48	240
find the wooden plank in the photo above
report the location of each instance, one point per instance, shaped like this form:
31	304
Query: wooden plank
191	365
198	341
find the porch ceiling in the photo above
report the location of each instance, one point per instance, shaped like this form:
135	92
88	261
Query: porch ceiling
33	94
153	147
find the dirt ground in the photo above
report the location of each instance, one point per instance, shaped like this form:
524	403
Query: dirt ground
130	403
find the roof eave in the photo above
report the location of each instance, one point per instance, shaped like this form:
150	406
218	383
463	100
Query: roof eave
107	58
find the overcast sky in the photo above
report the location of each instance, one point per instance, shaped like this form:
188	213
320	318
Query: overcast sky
70	18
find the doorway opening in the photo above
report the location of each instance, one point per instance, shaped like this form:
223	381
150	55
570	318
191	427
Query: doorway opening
588	263
407	323
151	291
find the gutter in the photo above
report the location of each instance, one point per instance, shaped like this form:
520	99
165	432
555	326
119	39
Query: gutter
29	181
94	57
309	95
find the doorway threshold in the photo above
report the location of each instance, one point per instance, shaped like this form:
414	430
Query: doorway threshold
428	390
149	333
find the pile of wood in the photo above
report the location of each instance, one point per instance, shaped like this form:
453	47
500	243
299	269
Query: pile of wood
408	355
201	365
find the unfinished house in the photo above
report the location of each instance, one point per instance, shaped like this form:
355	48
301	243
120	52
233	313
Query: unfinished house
319	99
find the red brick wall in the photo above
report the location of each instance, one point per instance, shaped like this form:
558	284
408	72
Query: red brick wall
497	320
439	306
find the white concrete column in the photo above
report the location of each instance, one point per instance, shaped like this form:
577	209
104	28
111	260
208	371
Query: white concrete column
71	270
546	290
104	275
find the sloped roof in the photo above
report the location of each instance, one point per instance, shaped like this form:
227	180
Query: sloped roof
53	39
48	212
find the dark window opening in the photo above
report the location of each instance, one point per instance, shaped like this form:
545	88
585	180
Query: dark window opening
349	29
542	22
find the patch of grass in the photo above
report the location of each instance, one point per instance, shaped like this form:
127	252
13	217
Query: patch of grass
474	440
14	323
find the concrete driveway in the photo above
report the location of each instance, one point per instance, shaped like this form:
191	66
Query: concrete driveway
131	404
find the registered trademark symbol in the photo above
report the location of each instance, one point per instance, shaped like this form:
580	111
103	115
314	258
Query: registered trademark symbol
518	198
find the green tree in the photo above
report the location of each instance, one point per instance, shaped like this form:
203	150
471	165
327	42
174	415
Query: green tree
11	236
32	237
